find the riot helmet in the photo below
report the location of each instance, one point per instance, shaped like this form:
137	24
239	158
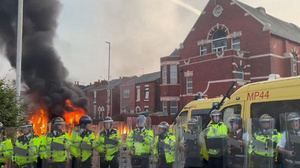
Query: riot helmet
236	122
26	127
141	121
85	121
1	128
215	116
267	123
192	124
57	124
108	123
163	127
293	120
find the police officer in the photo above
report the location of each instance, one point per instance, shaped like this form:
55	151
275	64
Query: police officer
215	140
164	146
191	145
57	143
6	147
263	146
289	145
108	144
139	143
82	143
26	148
236	147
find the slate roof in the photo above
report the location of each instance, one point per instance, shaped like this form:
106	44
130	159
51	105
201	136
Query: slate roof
112	84
144	79
176	52
278	27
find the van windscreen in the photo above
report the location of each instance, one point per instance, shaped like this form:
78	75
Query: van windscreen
274	109
200	112
203	113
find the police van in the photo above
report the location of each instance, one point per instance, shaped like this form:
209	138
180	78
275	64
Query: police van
197	108
273	97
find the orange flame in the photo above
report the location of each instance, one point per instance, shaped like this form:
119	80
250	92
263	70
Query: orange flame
125	130
72	118
40	122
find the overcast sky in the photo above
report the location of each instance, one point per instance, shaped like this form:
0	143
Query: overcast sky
140	32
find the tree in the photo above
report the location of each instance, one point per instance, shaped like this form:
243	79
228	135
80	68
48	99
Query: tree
10	108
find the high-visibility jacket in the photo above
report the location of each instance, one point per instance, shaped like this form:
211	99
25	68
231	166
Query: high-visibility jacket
32	146
109	143
141	141
270	141
57	155
77	138
6	148
218	130
168	147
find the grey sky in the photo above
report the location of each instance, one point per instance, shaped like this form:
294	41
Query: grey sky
140	31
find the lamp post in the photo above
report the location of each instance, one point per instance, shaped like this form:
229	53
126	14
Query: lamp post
19	49
108	89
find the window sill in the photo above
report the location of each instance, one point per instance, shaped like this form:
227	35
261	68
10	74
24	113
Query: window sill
146	100
169	84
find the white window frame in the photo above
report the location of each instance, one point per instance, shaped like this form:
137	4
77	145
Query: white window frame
236	43
101	111
138	93
164	74
203	50
147	92
220	48
295	69
165	106
173	108
240	72
126	94
173	74
188	88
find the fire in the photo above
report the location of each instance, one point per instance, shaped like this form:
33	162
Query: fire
72	118
39	120
125	130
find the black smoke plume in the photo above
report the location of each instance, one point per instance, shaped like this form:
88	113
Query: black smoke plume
42	70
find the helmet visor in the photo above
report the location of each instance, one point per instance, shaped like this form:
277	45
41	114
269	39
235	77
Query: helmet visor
141	122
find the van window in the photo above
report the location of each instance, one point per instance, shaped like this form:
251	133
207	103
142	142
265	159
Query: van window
229	112
203	114
274	109
181	118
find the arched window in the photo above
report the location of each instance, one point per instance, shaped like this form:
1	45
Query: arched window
137	109
240	73
219	43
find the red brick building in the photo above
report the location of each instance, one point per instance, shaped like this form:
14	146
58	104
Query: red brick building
90	94
141	94
229	42
98	99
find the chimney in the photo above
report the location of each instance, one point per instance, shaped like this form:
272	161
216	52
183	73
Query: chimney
261	10
104	82
98	83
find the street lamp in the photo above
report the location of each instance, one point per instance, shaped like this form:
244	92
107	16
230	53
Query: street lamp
108	74
19	49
